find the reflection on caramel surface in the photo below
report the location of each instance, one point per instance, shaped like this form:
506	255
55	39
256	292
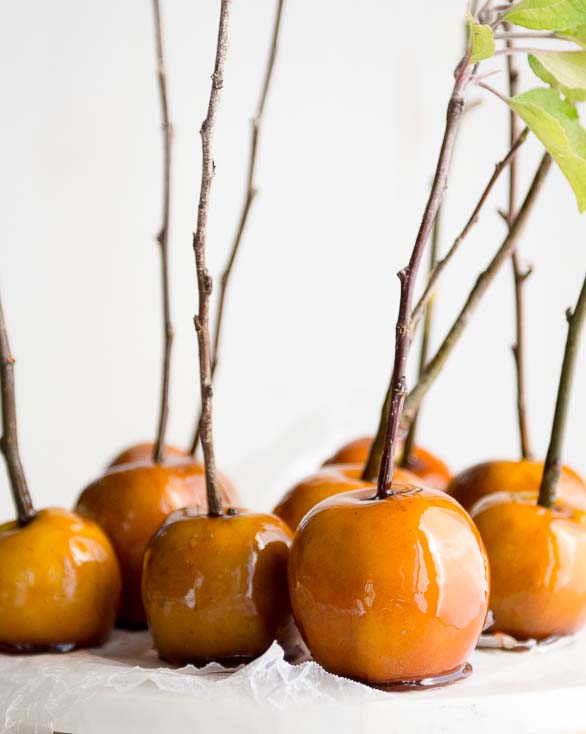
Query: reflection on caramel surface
538	565
59	584
131	502
215	588
390	590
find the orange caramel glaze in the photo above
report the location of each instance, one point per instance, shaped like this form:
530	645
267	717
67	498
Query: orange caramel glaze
392	590
215	588
538	564
59	583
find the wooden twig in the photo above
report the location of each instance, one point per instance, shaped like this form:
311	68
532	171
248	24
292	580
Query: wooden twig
410	438
403	334
435	365
377	447
9	439
250	195
204	280
163	239
553	461
444	262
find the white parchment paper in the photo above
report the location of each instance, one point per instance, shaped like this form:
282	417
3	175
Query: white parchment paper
70	693
35	688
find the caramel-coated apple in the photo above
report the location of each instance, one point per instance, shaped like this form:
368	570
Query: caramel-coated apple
353	452
59	583
330	480
215	588
523	476
144	452
538	564
430	469
130	502
59	577
389	590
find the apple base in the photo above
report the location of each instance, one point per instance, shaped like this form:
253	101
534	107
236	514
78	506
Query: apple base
424	684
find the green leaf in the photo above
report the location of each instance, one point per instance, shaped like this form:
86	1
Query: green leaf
548	15
566	71
481	40
555	122
577	35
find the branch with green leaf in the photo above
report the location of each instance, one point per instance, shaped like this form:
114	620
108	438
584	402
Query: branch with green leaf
550	113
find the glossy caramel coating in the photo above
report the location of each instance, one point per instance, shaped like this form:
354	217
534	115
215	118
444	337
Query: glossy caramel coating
215	588
392	590
144	452
430	469
59	583
328	481
523	476
538	565
130	502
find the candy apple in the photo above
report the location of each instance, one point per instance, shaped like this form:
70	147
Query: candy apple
391	590
538	564
130	502
215	588
59	583
59	577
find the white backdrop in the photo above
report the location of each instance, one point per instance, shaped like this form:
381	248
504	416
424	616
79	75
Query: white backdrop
352	128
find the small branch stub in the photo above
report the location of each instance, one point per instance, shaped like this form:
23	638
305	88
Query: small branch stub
9	440
553	461
410	438
204	281
399	390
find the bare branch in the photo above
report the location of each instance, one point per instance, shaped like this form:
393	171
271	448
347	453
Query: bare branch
519	277
250	195
442	264
204	281
9	440
435	365
409	274
553	461
163	239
